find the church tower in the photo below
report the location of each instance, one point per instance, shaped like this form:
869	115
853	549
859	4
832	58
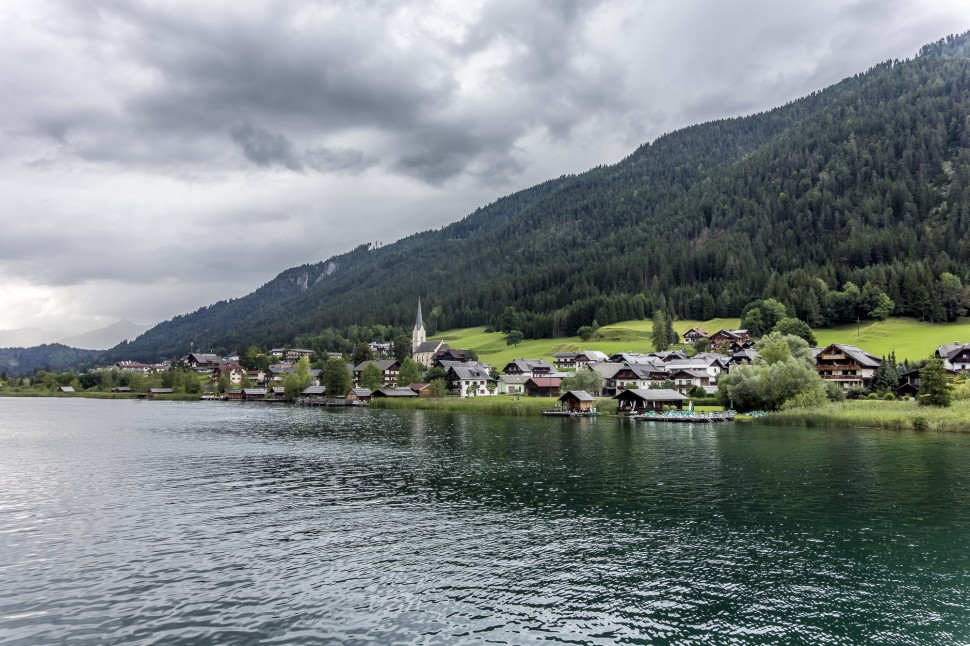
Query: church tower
418	334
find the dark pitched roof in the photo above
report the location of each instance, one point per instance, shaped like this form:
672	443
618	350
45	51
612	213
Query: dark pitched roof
429	346
581	395
394	392
653	395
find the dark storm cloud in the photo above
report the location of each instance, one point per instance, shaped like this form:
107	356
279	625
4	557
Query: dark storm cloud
265	148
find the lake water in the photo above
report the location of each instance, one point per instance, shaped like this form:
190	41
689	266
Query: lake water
185	523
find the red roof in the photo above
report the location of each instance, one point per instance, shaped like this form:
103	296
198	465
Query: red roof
546	382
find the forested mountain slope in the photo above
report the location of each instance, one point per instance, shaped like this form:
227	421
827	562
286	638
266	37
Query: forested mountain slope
865	181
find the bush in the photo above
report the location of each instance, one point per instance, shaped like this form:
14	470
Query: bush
873	396
889	397
856	392
834	392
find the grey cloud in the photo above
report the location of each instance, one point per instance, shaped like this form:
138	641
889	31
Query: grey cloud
265	148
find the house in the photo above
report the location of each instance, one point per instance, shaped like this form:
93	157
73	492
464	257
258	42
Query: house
512	384
908	384
684	380
608	372
665	356
635	376
576	360
389	370
722	339
451	354
359	395
203	362
393	392
712	364
277	394
846	365
642	400
694	335
632	357
233	394
121	389
742	356
134	366
66	389
577	401
234	371
468	379
543	386
956	356
528	367
380	349
257	377
295	354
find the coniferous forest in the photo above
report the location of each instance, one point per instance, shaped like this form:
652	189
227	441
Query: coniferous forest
852	202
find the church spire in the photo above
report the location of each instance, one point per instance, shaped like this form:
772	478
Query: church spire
418	334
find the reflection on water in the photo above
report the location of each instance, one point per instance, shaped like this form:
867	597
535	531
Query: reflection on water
140	522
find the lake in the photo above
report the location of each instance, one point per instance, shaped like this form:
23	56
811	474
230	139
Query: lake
138	522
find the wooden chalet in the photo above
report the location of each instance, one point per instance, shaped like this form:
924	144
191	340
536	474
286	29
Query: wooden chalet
642	400
232	394
543	386
695	334
577	401
389	370
449	354
529	367
846	365
576	360
722	339
254	394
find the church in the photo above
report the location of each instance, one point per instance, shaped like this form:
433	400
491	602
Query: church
422	350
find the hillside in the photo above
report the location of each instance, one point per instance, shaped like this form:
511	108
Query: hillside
908	338
865	181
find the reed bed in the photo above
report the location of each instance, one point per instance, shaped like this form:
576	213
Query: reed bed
901	415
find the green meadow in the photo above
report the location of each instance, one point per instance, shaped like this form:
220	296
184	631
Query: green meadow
909	338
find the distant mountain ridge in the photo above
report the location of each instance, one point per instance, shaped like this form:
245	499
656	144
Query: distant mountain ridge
865	181
105	337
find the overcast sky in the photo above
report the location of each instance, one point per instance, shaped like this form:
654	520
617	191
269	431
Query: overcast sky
157	156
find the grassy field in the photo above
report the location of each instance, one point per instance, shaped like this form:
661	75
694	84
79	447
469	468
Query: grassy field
911	339
903	415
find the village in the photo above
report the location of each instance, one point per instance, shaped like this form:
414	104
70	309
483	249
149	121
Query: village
639	382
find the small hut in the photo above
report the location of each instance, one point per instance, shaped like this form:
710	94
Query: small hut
359	395
577	401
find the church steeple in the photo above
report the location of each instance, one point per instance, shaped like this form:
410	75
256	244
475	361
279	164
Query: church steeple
418	334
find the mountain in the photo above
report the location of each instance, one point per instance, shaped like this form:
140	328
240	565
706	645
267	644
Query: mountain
26	337
106	337
867	181
53	357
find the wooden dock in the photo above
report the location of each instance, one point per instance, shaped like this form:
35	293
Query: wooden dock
688	418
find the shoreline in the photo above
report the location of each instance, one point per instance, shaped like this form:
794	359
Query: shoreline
862	413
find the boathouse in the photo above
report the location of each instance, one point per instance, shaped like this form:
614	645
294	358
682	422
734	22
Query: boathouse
577	401
642	400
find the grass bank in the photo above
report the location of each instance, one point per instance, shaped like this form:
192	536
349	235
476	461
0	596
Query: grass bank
496	405
902	415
